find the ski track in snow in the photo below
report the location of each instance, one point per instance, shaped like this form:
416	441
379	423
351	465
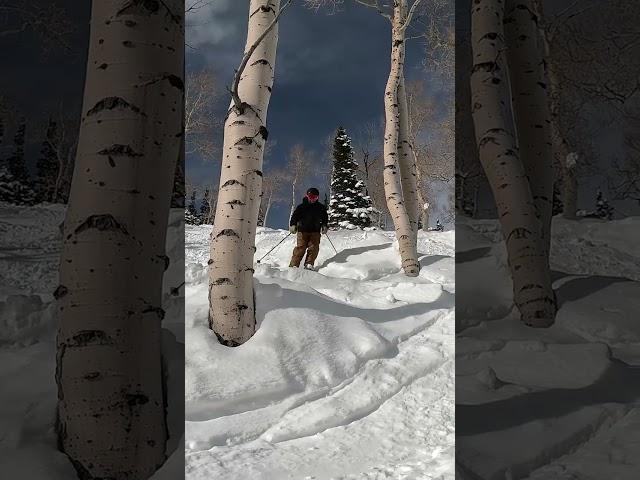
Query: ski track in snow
357	377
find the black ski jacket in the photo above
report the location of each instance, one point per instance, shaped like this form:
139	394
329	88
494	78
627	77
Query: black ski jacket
309	217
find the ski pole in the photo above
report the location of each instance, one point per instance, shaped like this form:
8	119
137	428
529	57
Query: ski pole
334	248
277	245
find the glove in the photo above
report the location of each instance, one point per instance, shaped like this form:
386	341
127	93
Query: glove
324	229
293	229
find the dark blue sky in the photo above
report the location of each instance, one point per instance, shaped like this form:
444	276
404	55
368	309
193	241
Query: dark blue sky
331	70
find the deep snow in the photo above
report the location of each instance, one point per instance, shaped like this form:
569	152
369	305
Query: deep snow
350	374
558	403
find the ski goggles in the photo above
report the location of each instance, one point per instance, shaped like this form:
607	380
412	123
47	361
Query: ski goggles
312	197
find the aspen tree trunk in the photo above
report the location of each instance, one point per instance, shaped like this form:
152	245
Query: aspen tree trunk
529	87
231	302
293	197
408	167
111	408
570	190
401	213
560	147
499	156
266	212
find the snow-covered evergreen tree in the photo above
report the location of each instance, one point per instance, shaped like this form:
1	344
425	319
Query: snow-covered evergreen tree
15	185
603	209
349	207
205	209
47	166
191	213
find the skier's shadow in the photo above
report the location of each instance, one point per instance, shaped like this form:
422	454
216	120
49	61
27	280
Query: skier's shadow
342	256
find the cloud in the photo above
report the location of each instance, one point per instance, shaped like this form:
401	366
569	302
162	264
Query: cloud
211	22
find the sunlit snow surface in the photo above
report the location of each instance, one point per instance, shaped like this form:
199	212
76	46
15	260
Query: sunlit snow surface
350	374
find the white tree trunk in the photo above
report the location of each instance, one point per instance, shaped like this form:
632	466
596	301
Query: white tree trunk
408	167
231	302
529	86
402	220
499	156
111	408
570	184
266	212
293	197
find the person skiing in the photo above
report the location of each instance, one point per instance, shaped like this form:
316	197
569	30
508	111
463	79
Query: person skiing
309	221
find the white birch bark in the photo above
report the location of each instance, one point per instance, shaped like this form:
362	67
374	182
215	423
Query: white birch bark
499	156
231	302
570	187
111	408
402	213
408	163
529	87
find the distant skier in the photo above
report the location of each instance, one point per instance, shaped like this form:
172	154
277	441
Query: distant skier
439	227
309	221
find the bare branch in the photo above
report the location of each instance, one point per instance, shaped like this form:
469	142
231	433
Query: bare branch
236	80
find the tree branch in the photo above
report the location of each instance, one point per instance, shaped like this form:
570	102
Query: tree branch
376	5
236	79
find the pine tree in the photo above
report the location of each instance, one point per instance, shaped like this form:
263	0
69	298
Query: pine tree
15	185
558	206
191	214
349	207
17	163
47	166
205	209
603	209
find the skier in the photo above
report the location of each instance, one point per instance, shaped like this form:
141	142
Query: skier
309	221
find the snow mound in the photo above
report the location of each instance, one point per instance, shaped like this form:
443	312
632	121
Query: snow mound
340	356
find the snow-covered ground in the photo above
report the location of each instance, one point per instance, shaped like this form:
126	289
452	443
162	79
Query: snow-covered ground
559	403
30	241
350	374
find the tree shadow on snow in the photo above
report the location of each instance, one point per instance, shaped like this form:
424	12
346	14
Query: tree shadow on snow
430	259
272	297
472	255
343	255
582	287
619	384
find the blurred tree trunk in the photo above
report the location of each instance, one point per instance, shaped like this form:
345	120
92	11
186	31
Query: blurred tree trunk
111	409
498	151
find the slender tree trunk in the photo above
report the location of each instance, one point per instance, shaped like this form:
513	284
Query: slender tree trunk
401	213
408	162
266	212
111	408
499	156
231	302
570	184
531	104
293	197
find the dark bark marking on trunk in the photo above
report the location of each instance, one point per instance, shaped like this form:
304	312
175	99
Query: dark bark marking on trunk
157	310
102	223
60	292
228	183
113	103
228	232
222	281
118	150
85	338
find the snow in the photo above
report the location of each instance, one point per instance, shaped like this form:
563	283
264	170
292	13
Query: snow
350	374
557	403
30	241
